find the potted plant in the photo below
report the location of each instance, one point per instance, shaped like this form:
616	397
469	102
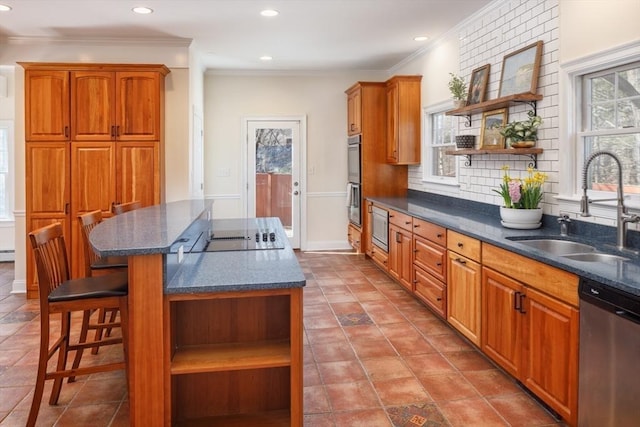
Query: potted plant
521	199
458	89
522	134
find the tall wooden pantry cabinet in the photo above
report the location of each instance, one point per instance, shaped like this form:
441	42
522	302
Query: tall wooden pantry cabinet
94	138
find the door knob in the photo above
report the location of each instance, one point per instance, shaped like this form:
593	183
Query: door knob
295	193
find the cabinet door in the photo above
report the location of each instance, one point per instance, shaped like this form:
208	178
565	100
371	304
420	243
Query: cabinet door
392	123
92	106
93	188
354	112
354	237
138	106
551	352
47	105
463	296
400	259
502	320
47	194
138	173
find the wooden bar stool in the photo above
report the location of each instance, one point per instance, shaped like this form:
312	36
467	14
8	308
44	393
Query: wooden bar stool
126	207
95	265
60	295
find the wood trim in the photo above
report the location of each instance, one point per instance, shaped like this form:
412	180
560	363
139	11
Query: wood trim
74	66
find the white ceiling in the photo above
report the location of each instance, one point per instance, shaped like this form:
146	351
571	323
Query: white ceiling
231	34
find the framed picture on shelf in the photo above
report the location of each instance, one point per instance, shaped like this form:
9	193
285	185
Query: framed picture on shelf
520	70
490	137
478	84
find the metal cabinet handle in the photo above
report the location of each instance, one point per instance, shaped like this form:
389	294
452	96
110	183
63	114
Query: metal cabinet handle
460	244
522	297
461	261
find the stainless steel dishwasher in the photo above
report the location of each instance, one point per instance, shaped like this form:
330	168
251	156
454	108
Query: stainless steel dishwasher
609	387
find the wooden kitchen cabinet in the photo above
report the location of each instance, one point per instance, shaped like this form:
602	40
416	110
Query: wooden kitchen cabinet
464	285
109	118
400	256
354	111
400	248
108	105
380	257
531	326
354	236
235	358
431	291
46	100
403	120
366	116
48	193
430	265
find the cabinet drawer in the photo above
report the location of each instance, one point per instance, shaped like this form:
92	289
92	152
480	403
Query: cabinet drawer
431	291
429	231
430	257
401	220
463	245
550	280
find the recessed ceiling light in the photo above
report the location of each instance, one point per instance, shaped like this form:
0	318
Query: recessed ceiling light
4	8
266	58
420	38
142	10
269	13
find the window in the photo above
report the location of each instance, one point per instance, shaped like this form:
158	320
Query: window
6	174
439	137
611	122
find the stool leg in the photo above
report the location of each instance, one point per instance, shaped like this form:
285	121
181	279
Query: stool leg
63	351
102	315
81	339
43	358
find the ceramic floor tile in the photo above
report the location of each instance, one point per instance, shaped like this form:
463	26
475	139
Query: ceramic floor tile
341	372
406	367
520	410
386	368
399	391
364	418
373	348
352	396
471	412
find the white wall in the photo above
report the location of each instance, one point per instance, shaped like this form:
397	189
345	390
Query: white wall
7	112
319	97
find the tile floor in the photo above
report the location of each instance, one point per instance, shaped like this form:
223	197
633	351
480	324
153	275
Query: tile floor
374	356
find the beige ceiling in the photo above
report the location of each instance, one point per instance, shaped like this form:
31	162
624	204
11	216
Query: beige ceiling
307	35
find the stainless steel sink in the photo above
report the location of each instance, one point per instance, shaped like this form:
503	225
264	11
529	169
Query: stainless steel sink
558	247
595	257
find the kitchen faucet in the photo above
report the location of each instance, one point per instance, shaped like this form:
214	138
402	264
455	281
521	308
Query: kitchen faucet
623	217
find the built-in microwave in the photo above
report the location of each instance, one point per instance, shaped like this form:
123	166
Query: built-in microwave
353	159
380	228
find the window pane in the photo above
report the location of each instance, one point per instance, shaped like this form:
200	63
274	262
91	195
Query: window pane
603	116
443	164
603	171
628	114
629	83
603	88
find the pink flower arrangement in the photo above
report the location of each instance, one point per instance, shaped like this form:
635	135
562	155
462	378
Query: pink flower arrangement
522	193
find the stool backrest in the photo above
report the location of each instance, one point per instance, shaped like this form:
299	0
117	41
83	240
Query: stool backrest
50	253
126	207
87	222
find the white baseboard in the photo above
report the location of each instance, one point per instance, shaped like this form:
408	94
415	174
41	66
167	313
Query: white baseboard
7	256
19	287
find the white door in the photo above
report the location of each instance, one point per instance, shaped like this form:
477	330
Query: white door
273	173
197	158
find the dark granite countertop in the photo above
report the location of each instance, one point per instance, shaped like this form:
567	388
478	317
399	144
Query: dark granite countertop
485	226
240	270
155	229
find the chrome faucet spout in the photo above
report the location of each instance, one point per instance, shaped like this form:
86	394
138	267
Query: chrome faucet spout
623	218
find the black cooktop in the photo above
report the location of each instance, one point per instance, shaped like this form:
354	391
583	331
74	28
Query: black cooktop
243	240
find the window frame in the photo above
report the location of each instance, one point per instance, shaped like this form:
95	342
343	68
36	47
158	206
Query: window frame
571	156
427	146
8	125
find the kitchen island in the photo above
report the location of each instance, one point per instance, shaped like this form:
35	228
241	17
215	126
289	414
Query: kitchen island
214	337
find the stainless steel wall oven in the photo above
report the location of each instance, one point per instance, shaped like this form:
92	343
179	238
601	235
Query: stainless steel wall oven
354	196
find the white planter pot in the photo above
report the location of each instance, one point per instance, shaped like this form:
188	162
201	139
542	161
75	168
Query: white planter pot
523	219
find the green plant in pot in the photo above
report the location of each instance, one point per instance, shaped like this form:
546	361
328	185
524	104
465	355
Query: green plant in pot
522	134
458	89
